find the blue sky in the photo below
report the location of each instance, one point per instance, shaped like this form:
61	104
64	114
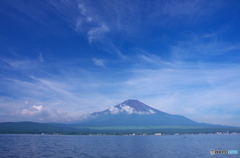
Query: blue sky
62	59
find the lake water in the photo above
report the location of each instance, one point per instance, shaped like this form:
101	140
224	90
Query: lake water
59	146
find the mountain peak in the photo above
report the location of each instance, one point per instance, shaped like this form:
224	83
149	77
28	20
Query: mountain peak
130	106
135	104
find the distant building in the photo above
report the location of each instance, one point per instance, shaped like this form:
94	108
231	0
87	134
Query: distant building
158	134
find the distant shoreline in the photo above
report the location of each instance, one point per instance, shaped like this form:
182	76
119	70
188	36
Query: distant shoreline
133	134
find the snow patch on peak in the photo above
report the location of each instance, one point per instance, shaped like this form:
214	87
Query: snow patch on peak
129	110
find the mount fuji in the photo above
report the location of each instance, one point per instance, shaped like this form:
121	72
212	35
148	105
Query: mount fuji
136	113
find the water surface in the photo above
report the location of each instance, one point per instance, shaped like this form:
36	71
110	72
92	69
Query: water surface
60	146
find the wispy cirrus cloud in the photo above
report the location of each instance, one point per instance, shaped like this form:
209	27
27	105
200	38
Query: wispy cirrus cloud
203	48
97	33
97	28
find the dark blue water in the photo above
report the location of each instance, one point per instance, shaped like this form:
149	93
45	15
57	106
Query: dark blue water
57	146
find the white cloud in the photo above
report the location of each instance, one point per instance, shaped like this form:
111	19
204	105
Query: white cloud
151	112
35	109
114	110
127	109
82	9
98	62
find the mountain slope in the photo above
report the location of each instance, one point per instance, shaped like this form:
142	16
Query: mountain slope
136	113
